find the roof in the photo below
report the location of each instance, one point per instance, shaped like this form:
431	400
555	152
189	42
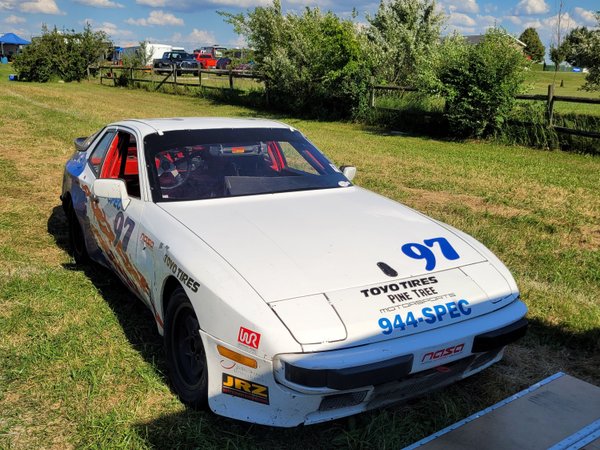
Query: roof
477	38
11	38
200	123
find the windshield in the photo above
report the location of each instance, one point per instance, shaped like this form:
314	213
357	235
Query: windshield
202	164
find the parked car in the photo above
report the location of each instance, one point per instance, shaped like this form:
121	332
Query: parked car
249	66
223	63
206	61
286	294
181	60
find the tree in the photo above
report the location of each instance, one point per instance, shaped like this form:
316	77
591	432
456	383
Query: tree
404	34
313	64
577	44
479	82
558	51
64	55
535	49
591	55
557	55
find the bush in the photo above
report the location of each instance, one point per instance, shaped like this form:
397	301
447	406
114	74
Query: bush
62	55
479	82
313	64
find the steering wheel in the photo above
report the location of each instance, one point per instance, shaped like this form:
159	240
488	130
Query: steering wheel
173	168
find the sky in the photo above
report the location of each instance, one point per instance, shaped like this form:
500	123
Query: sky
194	23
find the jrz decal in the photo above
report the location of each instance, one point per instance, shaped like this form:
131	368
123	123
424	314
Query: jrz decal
429	315
238	387
415	250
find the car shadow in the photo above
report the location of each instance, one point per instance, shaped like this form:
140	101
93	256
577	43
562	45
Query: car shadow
393	426
135	319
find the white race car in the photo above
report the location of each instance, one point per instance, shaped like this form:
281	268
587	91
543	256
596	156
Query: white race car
286	295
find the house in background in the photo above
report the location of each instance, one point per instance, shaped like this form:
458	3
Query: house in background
475	39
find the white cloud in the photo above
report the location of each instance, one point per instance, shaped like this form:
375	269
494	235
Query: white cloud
461	20
112	30
533	24
485	22
7	4
531	7
516	20
13	20
152	3
490	8
587	17
160	18
40	6
463	6
100	3
196	37
251	3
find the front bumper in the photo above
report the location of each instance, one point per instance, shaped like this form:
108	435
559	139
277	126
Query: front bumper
321	386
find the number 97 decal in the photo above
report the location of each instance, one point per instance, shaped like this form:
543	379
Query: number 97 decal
120	223
415	250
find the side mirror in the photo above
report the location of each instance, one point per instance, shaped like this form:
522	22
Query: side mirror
80	144
113	190
349	172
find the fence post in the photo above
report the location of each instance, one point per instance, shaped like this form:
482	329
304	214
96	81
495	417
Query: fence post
550	105
131	76
372	93
200	77
100	73
112	76
174	68
230	79
88	72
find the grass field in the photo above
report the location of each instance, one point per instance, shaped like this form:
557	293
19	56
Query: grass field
571	86
81	361
536	83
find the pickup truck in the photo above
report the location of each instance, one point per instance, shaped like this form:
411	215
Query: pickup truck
184	63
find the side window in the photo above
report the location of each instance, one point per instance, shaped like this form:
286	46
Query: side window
130	171
295	160
99	153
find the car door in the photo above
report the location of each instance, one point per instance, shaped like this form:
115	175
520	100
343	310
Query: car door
116	226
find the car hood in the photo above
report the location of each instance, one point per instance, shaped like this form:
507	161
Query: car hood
290	245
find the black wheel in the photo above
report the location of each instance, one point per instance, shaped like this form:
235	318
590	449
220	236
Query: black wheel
76	238
185	351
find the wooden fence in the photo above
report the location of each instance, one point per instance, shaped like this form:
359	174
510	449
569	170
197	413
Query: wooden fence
172	77
550	99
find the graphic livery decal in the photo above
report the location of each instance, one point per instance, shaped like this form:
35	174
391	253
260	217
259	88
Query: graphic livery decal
419	251
113	250
238	387
429	315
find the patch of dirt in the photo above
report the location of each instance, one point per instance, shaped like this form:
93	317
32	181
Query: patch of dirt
423	198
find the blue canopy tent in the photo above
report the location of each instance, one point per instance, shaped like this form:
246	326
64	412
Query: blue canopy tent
12	40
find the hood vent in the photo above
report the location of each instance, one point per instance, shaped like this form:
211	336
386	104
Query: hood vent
387	269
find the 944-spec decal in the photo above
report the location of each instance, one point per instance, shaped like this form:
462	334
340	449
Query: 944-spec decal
429	315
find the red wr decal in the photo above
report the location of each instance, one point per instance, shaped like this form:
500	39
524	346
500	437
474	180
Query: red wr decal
248	337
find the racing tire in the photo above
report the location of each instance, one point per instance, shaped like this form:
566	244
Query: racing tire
76	237
184	350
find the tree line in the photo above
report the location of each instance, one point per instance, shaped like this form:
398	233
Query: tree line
317	64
